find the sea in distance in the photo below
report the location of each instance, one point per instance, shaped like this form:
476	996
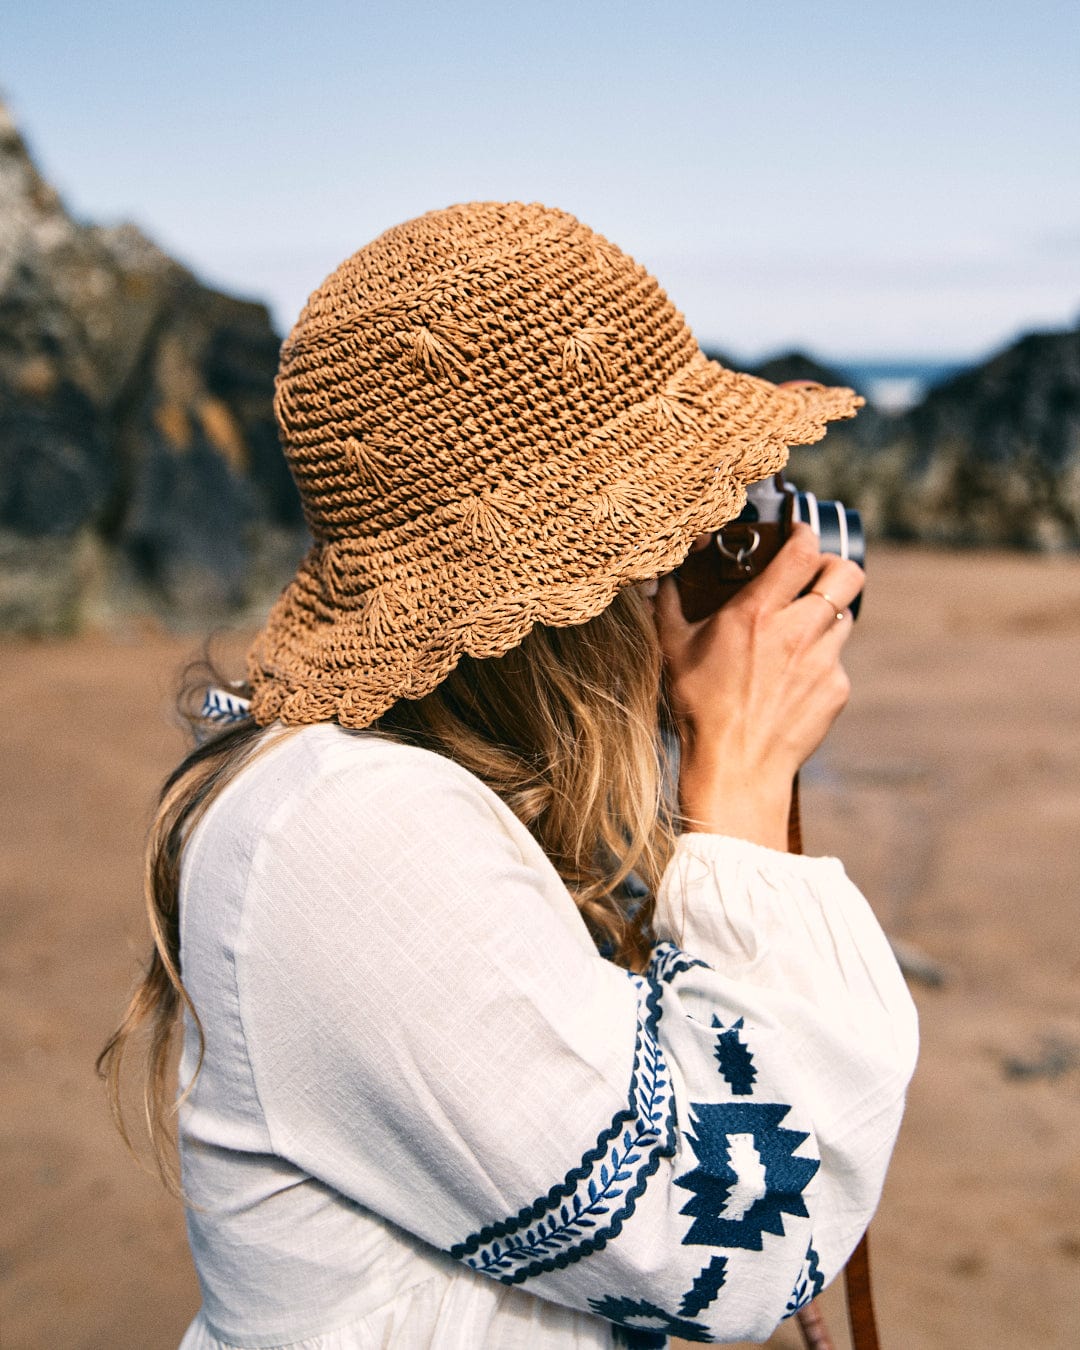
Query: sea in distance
895	386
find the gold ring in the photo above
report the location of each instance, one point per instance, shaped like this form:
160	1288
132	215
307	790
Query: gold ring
839	613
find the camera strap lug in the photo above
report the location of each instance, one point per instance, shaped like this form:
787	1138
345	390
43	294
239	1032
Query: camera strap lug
741	558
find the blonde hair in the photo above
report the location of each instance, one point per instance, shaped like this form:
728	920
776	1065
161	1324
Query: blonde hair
566	728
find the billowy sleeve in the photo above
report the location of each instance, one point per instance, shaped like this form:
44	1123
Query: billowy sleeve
693	1151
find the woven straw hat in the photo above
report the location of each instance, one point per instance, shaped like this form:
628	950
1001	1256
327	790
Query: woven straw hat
495	419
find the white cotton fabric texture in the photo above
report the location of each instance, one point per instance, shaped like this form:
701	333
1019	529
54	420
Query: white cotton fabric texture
430	1114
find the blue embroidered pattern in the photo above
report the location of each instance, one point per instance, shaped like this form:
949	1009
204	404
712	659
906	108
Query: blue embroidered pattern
746	1167
809	1284
588	1208
669	961
639	1340
734	1057
223	708
705	1288
644	1324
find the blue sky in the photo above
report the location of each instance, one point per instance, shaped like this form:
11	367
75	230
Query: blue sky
866	180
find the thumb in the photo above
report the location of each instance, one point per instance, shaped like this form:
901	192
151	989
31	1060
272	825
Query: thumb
672	625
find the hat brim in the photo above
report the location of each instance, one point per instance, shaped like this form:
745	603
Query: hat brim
476	580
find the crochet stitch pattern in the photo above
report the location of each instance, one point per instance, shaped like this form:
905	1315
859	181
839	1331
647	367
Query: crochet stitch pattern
495	419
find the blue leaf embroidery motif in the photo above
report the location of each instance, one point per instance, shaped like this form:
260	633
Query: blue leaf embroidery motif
809	1284
603	1190
223	708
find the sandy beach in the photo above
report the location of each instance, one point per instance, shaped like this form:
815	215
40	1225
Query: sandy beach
950	787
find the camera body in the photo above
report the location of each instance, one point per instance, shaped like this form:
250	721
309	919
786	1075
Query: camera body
736	554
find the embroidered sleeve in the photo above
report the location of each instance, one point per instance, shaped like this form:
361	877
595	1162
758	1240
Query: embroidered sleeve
690	1152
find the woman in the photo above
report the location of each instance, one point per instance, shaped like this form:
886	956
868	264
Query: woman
488	1041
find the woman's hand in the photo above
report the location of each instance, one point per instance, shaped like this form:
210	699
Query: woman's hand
755	687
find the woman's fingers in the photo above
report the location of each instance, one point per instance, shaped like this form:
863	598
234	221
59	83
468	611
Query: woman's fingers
800	579
793	569
757	684
835	588
800	568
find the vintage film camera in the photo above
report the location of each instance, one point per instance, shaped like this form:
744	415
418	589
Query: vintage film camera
734	555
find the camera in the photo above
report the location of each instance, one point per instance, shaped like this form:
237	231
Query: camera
838	527
734	555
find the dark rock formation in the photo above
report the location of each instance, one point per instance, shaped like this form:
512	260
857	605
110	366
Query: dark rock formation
991	457
855	463
136	426
797	365
140	467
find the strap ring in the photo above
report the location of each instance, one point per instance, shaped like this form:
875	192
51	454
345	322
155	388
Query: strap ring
746	551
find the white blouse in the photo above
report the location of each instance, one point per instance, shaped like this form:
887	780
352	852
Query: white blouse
430	1114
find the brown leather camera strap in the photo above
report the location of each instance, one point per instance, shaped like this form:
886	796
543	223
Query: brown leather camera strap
708	578
860	1302
794	821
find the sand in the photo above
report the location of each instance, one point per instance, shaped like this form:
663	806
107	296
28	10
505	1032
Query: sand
949	786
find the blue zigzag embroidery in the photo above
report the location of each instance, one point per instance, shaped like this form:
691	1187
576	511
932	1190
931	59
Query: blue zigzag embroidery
644	1324
734	1057
809	1284
669	961
588	1208
747	1178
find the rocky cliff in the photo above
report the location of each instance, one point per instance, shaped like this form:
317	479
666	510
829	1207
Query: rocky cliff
140	468
993	456
990	458
139	462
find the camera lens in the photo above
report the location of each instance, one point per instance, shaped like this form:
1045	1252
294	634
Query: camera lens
838	528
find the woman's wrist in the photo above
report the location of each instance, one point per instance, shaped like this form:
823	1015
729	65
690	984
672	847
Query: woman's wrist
718	799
